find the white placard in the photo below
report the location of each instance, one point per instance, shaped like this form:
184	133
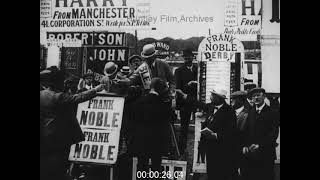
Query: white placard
100	119
199	158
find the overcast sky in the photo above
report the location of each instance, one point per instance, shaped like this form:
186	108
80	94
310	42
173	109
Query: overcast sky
212	9
187	8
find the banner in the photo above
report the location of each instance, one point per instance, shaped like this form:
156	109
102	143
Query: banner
219	47
163	49
199	156
97	57
102	38
243	19
85	15
100	119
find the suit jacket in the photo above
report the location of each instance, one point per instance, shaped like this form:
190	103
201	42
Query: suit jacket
149	126
183	76
262	129
58	118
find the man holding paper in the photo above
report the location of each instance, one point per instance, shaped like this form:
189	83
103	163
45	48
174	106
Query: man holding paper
218	135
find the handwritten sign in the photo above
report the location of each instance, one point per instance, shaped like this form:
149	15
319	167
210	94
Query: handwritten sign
100	119
243	19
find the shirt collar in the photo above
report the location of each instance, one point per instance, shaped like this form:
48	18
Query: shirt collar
261	107
218	107
239	110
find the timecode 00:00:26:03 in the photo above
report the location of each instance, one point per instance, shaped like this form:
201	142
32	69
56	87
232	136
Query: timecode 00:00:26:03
162	174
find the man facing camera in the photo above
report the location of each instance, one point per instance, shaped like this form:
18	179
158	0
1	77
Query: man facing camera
261	133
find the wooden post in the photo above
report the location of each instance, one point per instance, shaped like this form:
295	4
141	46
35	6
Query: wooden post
134	168
111	173
70	169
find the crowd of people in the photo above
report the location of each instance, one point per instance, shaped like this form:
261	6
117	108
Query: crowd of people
239	139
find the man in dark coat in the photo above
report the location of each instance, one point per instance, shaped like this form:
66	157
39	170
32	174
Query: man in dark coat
261	133
248	103
185	76
218	135
238	100
219	132
58	125
150	131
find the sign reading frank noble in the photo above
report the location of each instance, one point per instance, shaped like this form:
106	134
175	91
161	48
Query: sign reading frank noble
100	119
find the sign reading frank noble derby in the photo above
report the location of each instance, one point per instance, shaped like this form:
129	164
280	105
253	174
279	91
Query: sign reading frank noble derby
85	15
218	51
100	120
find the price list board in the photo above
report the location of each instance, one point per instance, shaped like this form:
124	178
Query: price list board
71	60
218	77
202	80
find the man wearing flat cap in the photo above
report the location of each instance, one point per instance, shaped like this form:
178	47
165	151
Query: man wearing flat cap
238	100
261	132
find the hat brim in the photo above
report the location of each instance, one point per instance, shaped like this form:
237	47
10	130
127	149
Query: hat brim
111	74
256	90
220	95
153	54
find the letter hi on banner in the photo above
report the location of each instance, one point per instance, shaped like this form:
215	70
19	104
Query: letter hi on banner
243	19
100	119
85	15
199	156
218	51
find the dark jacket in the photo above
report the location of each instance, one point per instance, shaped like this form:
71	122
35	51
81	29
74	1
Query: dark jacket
221	152
183	76
59	127
262	129
149	126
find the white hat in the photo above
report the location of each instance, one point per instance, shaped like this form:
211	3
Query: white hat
220	92
148	51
